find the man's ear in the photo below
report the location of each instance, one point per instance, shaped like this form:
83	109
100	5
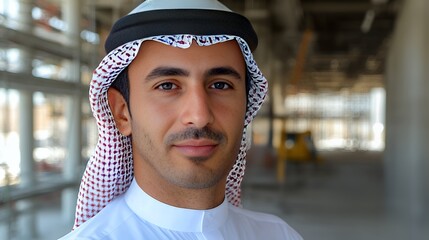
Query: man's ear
120	111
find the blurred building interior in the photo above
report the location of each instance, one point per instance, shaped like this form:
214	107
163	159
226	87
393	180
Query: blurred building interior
340	149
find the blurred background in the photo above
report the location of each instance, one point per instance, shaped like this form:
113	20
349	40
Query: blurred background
340	149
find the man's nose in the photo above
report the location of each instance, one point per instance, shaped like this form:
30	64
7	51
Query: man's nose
197	111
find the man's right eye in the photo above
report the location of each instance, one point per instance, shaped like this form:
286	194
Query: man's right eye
166	86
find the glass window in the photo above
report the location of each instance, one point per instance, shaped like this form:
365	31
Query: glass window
11	58
51	67
339	119
50	131
9	137
3	7
89	129
86	74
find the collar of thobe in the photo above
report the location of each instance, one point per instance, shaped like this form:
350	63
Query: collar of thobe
174	218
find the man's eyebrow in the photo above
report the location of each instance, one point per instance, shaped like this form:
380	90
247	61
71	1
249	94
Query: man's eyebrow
223	71
165	72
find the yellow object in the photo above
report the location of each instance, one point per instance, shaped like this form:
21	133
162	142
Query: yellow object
298	147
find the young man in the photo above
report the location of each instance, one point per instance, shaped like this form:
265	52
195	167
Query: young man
172	100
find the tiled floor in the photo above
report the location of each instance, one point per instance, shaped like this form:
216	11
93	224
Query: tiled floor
341	200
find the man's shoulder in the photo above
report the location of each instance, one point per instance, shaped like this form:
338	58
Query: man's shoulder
256	216
104	223
259	222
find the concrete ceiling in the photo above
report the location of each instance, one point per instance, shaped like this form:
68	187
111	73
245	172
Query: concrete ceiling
319	44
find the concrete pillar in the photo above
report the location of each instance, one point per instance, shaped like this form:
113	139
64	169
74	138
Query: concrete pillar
71	11
377	117
407	119
26	124
26	221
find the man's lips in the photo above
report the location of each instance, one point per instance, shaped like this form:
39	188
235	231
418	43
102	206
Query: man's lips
196	148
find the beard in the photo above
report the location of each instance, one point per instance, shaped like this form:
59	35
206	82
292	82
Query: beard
187	172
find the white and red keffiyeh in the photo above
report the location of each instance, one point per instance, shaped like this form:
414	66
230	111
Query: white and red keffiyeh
109	171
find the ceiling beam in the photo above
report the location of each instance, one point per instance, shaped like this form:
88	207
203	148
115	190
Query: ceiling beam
335	7
344	7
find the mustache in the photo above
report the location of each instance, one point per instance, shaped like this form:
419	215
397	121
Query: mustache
195	133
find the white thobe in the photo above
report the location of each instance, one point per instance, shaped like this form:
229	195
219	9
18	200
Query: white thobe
136	215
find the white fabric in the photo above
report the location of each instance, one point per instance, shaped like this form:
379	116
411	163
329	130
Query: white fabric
149	5
136	215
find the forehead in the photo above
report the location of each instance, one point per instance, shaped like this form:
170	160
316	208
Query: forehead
153	53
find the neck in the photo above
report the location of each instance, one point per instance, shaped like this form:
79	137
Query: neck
182	197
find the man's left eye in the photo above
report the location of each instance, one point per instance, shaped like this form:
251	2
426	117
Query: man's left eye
220	85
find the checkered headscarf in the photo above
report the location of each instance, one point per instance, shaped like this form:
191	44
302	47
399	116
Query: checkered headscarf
109	171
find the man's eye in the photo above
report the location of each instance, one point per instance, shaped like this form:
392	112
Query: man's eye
167	86
220	85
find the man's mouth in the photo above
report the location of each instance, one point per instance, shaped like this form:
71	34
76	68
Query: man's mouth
196	148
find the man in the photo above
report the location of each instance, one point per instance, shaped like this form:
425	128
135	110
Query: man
172	99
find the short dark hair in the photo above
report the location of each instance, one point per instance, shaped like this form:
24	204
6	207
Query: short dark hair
121	83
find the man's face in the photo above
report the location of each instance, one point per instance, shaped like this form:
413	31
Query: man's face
187	113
